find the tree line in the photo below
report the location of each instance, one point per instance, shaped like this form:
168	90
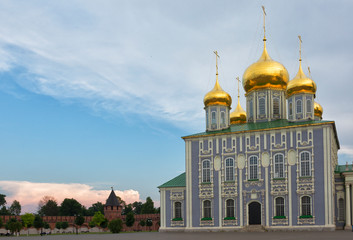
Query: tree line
48	206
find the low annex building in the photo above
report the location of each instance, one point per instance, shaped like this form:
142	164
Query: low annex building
274	165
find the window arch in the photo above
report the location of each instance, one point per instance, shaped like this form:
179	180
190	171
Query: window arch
229	169
279	165
306	205
341	209
308	105
206	171
207	209
253	167
305	164
299	106
262	106
177	210
230	208
279	202
290	108
207	120
276	106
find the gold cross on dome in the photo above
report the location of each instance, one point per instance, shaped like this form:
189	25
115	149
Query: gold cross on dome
238	85
217	56
263	9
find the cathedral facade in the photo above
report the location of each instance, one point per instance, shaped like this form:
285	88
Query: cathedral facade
274	165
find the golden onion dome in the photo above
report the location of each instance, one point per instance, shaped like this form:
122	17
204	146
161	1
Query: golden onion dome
301	83
318	110
217	96
238	115
265	73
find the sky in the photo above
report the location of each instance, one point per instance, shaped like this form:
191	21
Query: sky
97	94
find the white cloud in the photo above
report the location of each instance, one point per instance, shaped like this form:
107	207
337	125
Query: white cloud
29	193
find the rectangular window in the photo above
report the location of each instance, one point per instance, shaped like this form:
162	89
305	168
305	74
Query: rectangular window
276	106
280	206
253	167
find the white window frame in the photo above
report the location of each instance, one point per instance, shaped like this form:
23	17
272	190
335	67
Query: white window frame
308	105
290	106
175	210
279	205
299	106
278	166
262	104
305	164
253	167
204	209
229	169
223	118
276	99
206	171
302	210
213	117
230	208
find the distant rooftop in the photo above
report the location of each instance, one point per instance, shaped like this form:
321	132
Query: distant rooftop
112	200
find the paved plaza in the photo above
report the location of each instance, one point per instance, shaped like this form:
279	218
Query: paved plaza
202	235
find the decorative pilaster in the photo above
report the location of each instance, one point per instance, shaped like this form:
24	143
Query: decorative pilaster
348	208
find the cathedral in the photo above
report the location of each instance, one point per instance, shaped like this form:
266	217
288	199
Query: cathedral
274	166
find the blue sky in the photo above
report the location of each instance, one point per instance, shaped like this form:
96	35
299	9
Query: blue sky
95	94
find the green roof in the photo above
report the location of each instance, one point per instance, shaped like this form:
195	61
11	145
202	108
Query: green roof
179	181
344	168
249	127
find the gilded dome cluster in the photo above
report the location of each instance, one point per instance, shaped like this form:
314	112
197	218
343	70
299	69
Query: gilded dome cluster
238	115
265	73
318	111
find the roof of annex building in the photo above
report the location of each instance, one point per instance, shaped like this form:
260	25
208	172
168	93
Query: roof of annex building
179	181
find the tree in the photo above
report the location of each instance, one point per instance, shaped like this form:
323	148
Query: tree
142	223
46	225
79	220
27	219
130	219
149	223
58	225
115	225
48	206
1	223
70	207
91	224
14	226
127	209
148	206
38	222
15	208
64	225
4	211
98	218
98	206
2	200
104	224
121	201
137	207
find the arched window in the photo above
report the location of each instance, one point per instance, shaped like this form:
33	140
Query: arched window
177	210
305	164
290	108
223	118
230	208
308	105
206	171
253	167
306	206
207	209
279	202
229	169
251	112
279	166
299	106
276	106
341	209
262	106
213	114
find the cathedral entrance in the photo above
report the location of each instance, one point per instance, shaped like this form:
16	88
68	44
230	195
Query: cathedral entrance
254	213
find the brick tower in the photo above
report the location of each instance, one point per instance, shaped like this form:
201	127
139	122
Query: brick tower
112	207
